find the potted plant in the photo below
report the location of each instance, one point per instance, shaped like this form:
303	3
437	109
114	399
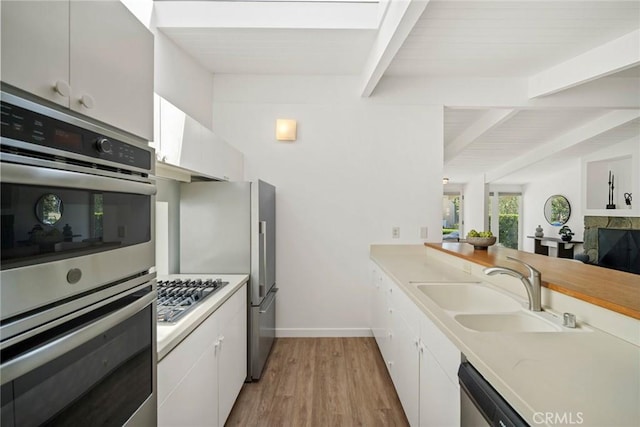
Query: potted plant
566	233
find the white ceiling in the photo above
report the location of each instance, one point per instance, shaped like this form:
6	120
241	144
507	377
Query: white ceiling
276	51
554	164
439	38
508	39
522	133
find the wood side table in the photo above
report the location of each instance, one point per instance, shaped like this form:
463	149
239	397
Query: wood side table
565	249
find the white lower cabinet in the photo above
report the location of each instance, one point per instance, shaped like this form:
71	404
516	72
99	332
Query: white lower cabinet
380	313
199	380
193	401
439	388
406	365
421	360
232	355
439	396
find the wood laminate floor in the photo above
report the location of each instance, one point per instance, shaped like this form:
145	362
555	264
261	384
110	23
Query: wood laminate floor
319	382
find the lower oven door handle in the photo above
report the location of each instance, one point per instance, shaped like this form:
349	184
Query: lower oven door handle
33	175
27	362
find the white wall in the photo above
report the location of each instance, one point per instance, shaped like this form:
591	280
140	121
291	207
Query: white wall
182	81
177	76
475	203
566	182
168	231
595	170
357	168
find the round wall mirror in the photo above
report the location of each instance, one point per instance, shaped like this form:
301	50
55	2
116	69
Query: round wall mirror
557	210
49	209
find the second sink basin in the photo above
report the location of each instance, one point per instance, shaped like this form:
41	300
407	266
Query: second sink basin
506	322
469	297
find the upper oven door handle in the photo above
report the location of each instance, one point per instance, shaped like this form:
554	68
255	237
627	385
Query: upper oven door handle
33	175
27	362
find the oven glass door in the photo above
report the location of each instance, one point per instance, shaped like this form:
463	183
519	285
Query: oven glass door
45	223
100	374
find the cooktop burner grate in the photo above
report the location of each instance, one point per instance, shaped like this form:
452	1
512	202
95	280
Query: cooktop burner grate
177	297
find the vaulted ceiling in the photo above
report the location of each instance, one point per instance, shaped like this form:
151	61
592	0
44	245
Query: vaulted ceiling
555	46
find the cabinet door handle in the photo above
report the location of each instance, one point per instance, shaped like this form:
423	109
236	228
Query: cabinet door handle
87	101
62	88
221	340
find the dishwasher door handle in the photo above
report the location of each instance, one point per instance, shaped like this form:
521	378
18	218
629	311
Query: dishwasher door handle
488	403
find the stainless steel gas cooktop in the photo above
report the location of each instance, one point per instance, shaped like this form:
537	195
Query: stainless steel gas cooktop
177	295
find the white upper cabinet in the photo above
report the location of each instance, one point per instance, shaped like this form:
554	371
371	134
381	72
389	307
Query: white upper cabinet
185	143
35	48
93	57
111	71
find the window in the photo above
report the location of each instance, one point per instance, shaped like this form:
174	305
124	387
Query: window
504	218
451	216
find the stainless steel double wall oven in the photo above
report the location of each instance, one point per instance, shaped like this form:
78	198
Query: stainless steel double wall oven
77	306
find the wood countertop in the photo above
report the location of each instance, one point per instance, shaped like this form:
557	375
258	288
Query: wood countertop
612	289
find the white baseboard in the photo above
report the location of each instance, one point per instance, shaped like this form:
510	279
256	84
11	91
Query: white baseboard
322	333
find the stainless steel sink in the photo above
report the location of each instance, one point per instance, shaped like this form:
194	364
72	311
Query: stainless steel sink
469	298
522	321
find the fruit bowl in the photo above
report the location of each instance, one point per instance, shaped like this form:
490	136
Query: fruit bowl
481	242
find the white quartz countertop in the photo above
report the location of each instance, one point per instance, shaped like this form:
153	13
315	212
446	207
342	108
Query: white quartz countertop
170	335
585	377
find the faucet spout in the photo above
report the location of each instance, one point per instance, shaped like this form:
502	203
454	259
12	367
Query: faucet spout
532	284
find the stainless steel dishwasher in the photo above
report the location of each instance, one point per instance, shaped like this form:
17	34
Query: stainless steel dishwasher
481	404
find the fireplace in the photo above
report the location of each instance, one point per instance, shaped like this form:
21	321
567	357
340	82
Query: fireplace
613	242
619	249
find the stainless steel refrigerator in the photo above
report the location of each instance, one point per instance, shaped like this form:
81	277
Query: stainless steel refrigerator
230	228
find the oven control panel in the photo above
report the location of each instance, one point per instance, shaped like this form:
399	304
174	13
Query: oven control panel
28	126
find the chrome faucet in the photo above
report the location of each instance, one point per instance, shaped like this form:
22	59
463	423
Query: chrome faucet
532	284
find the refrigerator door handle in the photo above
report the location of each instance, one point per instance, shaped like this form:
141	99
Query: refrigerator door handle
263	276
270	303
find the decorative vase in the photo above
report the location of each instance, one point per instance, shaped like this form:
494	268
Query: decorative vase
67	233
539	231
566	237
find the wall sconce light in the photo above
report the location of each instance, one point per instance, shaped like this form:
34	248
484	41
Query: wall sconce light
286	129
445	180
